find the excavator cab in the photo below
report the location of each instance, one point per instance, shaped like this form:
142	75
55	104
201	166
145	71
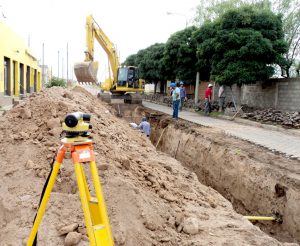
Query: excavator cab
128	77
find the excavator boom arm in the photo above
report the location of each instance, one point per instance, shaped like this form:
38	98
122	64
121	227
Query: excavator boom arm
87	71
123	81
93	31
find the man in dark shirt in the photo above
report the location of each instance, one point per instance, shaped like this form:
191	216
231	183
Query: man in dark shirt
182	95
208	97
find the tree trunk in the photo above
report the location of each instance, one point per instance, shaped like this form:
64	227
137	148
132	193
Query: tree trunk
162	87
288	71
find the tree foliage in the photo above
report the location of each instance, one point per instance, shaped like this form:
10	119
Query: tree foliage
298	69
130	60
204	38
180	55
240	46
288	9
150	62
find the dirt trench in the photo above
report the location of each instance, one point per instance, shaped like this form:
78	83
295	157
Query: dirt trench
255	180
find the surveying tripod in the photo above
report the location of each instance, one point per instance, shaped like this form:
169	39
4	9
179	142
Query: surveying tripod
77	143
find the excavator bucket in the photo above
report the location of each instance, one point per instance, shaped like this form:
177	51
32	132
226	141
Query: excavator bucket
86	71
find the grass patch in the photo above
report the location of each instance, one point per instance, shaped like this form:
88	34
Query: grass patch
212	114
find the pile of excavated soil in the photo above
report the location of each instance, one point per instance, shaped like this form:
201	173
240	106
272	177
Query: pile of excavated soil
151	198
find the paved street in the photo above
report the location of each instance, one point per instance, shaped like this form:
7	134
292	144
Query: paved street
273	140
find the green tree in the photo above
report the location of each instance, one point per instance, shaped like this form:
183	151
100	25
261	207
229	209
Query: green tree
150	61
56	82
130	60
298	69
203	39
241	46
151	65
180	55
289	9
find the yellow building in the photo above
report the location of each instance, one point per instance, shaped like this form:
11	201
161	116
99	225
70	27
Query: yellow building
20	74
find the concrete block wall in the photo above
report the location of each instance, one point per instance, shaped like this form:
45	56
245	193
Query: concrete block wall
282	94
259	95
288	95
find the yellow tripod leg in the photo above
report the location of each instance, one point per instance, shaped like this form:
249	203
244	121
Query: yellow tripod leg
44	202
101	203
84	202
87	192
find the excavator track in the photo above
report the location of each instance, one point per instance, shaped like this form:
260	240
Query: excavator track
129	98
105	97
133	98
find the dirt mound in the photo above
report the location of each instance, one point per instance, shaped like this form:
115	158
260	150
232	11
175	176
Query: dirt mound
151	198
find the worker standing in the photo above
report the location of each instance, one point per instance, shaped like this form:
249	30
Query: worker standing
208	97
182	95
145	127
175	100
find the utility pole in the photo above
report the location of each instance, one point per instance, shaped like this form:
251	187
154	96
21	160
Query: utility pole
2	13
43	66
67	62
72	72
62	68
58	64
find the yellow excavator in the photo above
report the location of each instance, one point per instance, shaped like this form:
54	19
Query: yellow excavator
122	82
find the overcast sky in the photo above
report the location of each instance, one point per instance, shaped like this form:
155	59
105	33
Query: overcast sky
131	25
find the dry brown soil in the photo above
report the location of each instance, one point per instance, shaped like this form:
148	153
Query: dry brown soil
151	198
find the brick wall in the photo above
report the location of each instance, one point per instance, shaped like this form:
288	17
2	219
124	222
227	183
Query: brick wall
190	90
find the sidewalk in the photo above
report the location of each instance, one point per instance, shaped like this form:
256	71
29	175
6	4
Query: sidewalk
274	140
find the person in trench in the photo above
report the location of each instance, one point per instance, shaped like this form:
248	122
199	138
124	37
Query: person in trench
145	127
